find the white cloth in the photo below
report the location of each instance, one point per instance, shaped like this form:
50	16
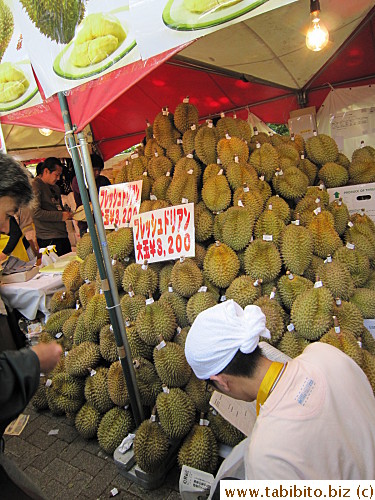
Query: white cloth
219	332
318	423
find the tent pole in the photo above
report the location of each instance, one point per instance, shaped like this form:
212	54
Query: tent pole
105	269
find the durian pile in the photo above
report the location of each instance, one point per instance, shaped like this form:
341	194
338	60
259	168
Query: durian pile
266	234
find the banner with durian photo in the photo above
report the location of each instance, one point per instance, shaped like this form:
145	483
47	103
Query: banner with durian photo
73	41
161	25
18	88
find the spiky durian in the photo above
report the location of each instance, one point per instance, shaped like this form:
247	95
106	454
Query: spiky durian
366	153
333	175
7	27
244	290
120	242
148	381
312	270
150	446
62	300
336	277
107	344
361	172
185	115
176	412
70	325
251	198
221	265
274	317
227	125
312	312
141	277
229	148
180	337
343	340
262	261
151	147
177	304
367	341
87	421
280	208
321	149
86	292
340	214
171	364
364	299
89	268
188	139
96	314
325	238
81	334
161	185
158	166
244	129
296	248
196	389
199	450
260	138
205	144
240	173
291	184
56	321
309	169
291	344
290	287
362	239
349	316
84	246
183	187
39	400
265	160
71	276
199	302
216	193
356	261
116	386
269	226
237	227
82	359
114	426
224	431
154	320
186	277
164	131
58	20
96	391
203	221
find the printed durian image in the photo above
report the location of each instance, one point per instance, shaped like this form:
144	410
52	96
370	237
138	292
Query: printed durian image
57	19
98	37
13	82
7	27
200	7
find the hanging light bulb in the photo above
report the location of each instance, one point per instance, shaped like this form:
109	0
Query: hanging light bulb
317	35
45	131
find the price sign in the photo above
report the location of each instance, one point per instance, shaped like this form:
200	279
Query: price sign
164	234
119	203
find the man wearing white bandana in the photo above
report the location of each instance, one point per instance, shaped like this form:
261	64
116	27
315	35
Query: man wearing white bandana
316	413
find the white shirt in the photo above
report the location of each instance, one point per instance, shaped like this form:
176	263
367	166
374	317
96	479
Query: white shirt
318	423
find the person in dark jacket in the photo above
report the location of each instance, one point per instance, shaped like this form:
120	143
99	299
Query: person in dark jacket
19	370
100	181
48	214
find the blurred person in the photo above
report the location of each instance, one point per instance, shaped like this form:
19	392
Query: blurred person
19	370
316	413
48	214
100	181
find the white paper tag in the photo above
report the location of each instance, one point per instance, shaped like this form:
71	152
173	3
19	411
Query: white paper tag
315	133
290	327
318	284
126	443
246	189
168	174
204	422
145	173
161	345
328	260
170	289
53	432
290	276
184	201
350	224
295	222
48	382
134	156
189	155
338	302
156	154
218	161
261	177
256	132
317	210
258	145
240	204
165	390
222	114
256	283
153	197
66	353
58	335
272	295
267	237
179	329
351	246
210	125
203	289
223	298
193	127
220	172
337	329
227	136
149	301
165	112
302	156
236	159
131	293
144	267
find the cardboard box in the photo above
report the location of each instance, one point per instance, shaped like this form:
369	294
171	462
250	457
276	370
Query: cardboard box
370	325
303	122
357	197
19	277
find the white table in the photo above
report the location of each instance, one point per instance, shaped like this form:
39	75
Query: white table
33	295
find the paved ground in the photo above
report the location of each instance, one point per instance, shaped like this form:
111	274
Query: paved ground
66	466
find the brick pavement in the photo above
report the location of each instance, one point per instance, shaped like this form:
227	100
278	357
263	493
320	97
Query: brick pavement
65	466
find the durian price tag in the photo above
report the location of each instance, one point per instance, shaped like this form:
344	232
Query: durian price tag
119	203
164	234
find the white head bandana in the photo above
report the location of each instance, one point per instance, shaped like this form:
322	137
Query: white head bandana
218	332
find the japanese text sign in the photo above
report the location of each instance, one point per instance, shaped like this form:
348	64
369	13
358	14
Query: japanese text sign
164	234
119	203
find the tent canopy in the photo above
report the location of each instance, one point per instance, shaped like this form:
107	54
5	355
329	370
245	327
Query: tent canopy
261	64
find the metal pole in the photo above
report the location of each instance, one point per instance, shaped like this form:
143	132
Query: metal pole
105	269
